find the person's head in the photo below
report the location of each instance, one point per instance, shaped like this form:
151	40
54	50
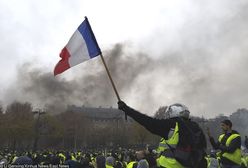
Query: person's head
110	160
213	153
226	125
177	110
140	154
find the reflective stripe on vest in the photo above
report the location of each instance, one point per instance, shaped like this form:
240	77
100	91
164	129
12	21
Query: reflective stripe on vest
172	141
162	145
236	155
170	162
14	159
73	158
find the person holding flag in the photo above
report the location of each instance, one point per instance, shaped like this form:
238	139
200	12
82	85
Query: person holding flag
185	141
183	136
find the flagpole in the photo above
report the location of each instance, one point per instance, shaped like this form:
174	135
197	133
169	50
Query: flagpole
111	80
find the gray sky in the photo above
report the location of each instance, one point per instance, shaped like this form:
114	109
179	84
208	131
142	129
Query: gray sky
188	51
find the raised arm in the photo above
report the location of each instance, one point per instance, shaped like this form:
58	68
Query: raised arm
159	127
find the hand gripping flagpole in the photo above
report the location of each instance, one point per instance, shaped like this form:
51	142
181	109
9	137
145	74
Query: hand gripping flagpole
111	80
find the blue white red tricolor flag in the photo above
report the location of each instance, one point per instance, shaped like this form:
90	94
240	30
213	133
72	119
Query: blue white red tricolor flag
81	47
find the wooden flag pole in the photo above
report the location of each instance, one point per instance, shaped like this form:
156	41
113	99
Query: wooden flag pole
111	80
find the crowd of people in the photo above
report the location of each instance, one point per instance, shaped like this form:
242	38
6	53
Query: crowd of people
100	158
119	158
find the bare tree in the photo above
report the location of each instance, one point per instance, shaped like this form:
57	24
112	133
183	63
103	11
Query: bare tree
19	124
160	113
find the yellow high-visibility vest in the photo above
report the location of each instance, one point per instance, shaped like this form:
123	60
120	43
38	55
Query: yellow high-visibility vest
108	166
130	164
172	141
212	162
236	155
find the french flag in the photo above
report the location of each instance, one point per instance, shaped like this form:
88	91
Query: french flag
81	47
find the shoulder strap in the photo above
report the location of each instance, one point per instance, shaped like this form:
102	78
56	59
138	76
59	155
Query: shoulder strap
186	126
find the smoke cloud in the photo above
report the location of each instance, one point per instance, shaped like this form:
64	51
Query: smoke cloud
202	64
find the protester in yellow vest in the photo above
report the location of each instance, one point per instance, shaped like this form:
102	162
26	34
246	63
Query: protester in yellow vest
229	143
212	160
132	164
110	162
178	131
141	158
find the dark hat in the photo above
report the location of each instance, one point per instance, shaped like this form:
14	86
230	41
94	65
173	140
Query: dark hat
227	122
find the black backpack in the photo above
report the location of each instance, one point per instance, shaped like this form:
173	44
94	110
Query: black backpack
193	158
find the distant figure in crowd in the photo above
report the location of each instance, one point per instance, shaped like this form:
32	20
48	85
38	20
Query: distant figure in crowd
100	162
246	142
185	142
142	162
110	162
229	143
